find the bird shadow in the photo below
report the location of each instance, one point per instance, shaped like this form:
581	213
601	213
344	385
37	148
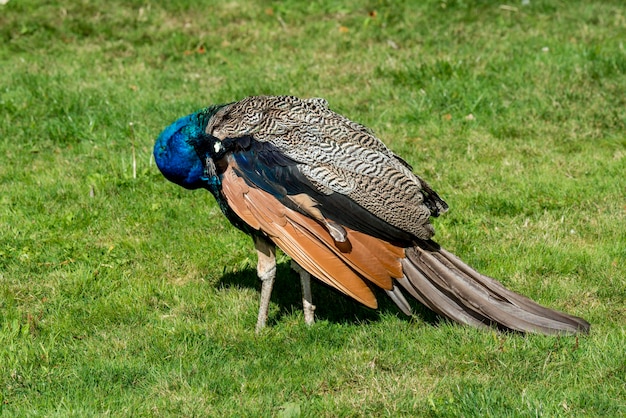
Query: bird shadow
331	305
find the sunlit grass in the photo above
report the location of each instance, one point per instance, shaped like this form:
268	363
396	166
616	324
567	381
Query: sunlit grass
122	294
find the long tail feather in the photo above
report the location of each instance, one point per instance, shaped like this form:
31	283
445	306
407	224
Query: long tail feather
448	286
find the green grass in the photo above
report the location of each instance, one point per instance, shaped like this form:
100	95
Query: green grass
126	295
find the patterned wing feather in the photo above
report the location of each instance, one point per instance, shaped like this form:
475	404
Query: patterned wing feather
336	155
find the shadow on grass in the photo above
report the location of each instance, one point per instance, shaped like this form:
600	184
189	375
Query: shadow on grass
331	305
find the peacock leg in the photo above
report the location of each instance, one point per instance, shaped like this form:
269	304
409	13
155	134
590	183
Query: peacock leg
307	298
266	270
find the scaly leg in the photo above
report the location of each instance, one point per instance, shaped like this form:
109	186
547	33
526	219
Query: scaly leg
266	270
307	298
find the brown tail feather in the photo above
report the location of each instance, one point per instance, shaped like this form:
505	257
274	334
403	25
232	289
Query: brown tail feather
432	275
448	286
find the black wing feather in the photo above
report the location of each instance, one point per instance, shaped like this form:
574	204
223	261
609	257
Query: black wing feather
263	165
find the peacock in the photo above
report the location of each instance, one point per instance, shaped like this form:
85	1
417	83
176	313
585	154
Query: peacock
348	211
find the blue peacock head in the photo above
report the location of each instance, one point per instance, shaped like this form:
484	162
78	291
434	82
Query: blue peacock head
180	149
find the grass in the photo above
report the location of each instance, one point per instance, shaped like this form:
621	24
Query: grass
122	294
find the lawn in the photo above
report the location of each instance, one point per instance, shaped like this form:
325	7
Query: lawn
122	294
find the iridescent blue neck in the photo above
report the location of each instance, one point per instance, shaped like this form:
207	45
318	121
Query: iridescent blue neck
180	149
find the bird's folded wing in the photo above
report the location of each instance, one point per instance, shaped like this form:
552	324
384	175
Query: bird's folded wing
346	266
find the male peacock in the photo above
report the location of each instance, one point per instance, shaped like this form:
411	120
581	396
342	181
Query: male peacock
347	210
